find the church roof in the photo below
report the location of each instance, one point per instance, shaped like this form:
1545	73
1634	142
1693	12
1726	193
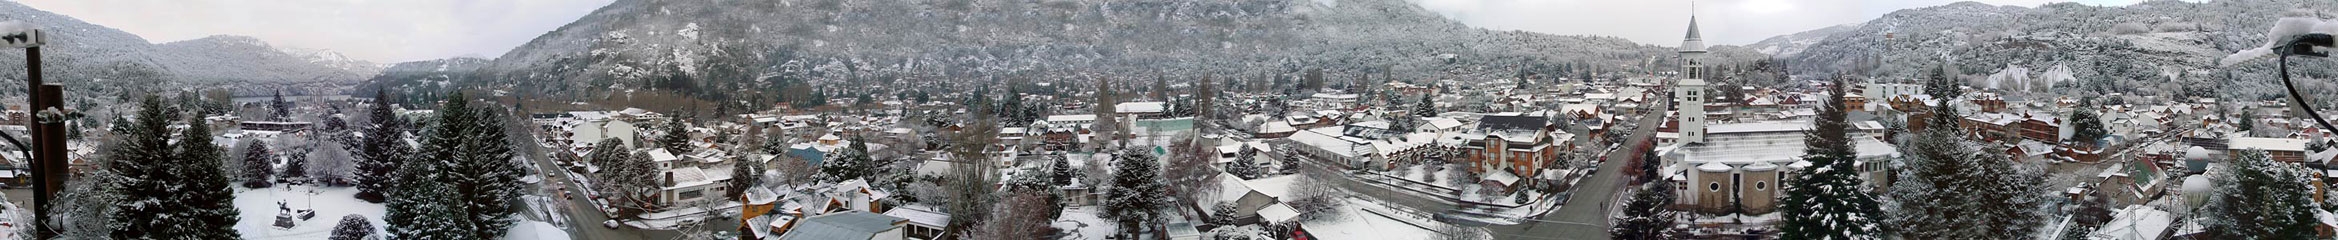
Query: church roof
1693	42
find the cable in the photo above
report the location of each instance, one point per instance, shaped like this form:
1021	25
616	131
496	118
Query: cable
2300	99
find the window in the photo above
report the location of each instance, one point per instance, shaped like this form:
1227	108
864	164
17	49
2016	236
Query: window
1716	186
1761	185
692	194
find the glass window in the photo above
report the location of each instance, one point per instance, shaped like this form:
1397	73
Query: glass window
1761	185
1716	186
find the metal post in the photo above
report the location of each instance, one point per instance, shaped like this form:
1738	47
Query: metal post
45	183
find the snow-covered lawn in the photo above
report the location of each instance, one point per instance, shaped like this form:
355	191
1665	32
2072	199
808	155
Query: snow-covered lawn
259	210
1360	219
1083	223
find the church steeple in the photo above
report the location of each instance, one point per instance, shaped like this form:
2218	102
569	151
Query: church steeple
1694	42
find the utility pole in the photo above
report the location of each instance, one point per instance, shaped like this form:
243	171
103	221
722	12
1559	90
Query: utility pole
48	130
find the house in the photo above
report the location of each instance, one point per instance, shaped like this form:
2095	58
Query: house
1521	144
924	221
2287	150
1249	197
2136	222
849	226
1741	165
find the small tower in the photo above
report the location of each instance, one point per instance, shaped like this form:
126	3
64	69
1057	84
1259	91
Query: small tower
1688	92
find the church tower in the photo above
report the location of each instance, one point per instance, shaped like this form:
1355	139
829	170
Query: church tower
1689	92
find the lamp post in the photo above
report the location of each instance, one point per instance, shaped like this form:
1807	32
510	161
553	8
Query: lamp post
48	128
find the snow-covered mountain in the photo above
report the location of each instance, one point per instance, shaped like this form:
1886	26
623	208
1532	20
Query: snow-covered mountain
1791	44
2155	48
89	57
846	45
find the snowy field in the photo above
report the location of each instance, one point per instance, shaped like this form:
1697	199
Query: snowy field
1360	219
259	209
1082	223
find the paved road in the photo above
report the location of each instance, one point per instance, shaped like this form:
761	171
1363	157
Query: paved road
1586	214
586	221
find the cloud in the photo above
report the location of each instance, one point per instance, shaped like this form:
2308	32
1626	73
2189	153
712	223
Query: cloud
375	30
1663	22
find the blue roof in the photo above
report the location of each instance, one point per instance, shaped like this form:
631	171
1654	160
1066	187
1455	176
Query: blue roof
809	155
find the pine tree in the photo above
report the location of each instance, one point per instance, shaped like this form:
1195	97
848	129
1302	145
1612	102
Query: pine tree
1648	215
470	145
380	152
2090	126
1136	191
143	164
283	109
855	163
1941	82
1062	172
2248	121
257	165
352	227
2257	198
1825	201
295	166
745	173
1427	107
676	139
423	208
205	197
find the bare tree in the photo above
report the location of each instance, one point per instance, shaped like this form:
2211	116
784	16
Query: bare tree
1024	215
1189	171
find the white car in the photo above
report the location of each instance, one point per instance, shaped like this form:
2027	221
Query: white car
611	224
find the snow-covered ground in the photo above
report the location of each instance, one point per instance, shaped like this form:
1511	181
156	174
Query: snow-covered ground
1360	219
259	210
1083	223
534	230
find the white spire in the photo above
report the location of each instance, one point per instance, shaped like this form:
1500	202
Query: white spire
1694	42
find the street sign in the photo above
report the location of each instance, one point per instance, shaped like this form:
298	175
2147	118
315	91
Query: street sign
14	34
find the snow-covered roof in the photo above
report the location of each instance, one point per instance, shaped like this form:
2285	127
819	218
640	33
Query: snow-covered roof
2136	222
1071	118
1141	107
1277	213
2269	144
921	215
661	155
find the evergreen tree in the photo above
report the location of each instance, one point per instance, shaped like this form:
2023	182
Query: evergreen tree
423	208
470	146
1062	172
257	165
1941	82
295	166
1961	193
141	161
380	151
1825	201
206	197
2248	121
1427	107
676	140
745	173
2089	126
1246	169
1136	191
164	196
1648	215
2257	198
283	109
855	163
352	227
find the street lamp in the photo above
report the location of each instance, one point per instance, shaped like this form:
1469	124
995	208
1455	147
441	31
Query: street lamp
48	128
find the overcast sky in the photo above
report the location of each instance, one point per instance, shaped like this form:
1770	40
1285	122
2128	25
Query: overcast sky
389	31
1663	22
384	31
